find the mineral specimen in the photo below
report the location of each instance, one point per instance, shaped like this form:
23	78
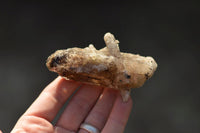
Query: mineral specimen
107	67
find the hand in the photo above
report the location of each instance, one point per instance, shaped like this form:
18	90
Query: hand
101	108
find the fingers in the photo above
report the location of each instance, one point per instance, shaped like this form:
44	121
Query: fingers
99	114
105	111
62	130
52	98
79	107
118	117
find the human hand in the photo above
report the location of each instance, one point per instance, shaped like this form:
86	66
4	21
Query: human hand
100	107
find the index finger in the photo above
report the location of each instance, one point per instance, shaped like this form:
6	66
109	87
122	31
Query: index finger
52	98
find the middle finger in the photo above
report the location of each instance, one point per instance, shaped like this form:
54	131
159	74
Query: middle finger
78	107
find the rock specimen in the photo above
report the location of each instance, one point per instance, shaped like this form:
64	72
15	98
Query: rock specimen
107	67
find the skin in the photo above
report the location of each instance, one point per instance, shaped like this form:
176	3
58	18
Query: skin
100	107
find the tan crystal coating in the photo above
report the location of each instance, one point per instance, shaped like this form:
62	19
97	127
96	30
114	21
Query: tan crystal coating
106	67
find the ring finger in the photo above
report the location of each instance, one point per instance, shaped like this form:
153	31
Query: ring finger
100	113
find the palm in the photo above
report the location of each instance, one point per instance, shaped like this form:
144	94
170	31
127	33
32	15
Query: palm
102	108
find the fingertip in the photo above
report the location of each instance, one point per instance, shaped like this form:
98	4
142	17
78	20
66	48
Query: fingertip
52	98
128	103
123	106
